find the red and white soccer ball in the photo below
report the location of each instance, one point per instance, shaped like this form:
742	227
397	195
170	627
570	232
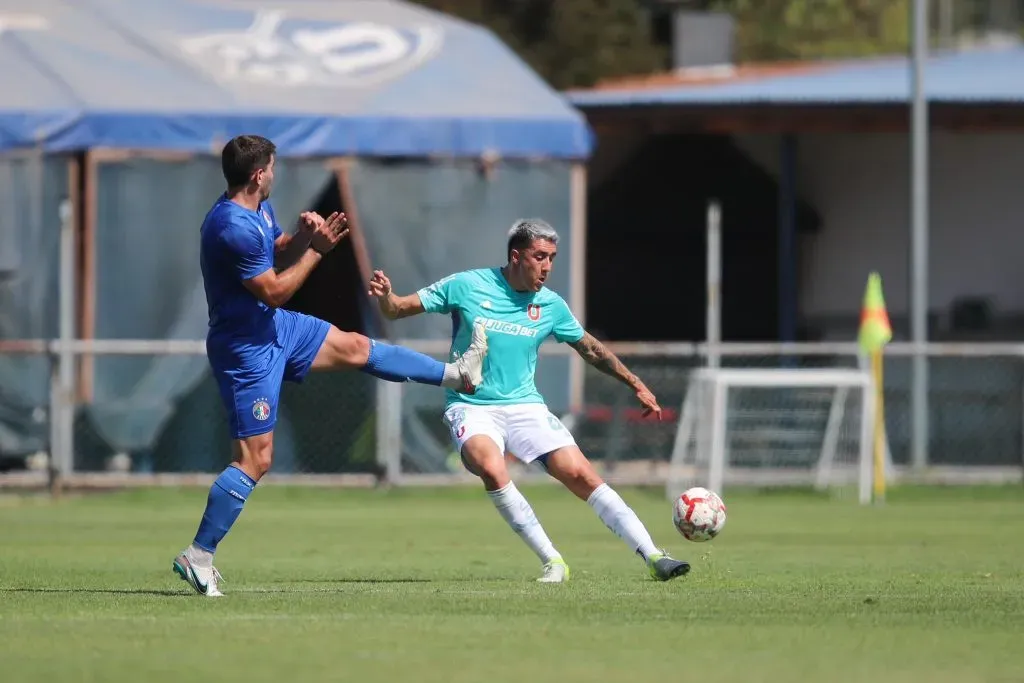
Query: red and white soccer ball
699	514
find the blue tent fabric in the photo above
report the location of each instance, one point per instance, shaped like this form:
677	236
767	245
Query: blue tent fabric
978	76
320	77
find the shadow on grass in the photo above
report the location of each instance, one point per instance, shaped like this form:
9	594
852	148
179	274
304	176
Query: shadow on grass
99	591
349	579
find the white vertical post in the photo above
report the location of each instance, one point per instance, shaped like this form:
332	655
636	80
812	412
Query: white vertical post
716	475
62	387
577	275
714	283
867	432
677	460
919	241
836	413
389	430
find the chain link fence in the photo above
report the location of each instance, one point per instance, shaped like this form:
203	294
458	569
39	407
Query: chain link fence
975	406
329	424
324	426
124	420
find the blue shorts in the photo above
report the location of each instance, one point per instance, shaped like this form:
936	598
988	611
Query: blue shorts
250	376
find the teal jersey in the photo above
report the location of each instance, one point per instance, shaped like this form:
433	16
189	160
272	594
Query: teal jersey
516	323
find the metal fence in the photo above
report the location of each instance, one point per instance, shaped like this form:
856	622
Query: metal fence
352	424
975	407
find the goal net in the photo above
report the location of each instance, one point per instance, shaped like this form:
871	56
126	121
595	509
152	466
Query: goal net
774	427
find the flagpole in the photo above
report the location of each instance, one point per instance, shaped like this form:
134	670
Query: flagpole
879	449
874	333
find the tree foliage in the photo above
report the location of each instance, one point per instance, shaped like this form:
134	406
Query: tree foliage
570	43
574	43
769	30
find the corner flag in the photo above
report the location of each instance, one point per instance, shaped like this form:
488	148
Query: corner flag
875	330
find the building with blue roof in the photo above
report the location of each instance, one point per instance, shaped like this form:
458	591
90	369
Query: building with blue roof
836	133
989	76
812	165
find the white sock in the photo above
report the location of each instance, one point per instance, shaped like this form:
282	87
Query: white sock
517	512
199	557
621	519
452	379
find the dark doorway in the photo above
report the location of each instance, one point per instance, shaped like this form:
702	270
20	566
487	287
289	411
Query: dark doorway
647	243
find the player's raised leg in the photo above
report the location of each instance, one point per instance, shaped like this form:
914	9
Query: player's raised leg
351	350
569	466
482	449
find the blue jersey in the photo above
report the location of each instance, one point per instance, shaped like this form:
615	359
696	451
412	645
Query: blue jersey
252	347
237	244
516	323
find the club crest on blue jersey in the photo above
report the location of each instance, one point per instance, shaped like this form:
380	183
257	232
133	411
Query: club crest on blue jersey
533	312
261	409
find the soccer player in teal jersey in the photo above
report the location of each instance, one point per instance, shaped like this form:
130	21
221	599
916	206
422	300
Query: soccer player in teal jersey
507	413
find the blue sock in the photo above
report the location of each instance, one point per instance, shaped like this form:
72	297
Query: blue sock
398	364
227	496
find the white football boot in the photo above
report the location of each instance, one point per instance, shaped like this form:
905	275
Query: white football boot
555	571
471	363
203	579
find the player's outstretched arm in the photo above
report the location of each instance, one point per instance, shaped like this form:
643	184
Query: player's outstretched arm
276	288
597	354
392	306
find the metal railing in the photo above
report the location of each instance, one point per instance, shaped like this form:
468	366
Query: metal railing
976	403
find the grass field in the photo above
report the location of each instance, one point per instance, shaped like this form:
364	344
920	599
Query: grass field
429	585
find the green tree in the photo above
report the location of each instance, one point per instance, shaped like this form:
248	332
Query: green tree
574	43
570	43
769	30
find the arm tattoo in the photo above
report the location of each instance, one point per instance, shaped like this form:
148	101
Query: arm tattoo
598	355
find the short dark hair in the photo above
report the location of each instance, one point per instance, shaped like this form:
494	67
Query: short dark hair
525	230
243	156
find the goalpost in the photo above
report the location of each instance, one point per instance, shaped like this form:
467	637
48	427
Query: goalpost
771	427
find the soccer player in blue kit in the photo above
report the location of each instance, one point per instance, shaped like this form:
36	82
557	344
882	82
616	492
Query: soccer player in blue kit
506	412
253	344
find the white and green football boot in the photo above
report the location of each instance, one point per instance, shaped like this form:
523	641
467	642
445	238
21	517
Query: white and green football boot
555	571
204	580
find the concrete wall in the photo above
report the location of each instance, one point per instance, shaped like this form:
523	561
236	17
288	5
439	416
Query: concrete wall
860	184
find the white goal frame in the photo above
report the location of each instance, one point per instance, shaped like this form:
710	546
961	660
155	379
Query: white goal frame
720	380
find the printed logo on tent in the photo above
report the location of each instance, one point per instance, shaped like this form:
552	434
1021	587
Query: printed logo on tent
23	22
277	51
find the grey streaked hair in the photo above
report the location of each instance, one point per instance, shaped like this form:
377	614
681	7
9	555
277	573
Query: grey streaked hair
525	230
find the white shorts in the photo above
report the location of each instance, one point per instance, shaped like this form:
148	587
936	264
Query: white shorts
526	430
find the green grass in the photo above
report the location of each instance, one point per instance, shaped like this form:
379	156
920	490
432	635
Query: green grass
429	585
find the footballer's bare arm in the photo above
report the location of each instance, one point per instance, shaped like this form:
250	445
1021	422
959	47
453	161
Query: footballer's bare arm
597	354
391	305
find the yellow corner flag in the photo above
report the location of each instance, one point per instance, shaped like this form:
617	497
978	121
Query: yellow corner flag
875	332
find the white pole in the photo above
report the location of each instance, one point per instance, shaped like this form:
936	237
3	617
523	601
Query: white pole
867	423
716	468
714	283
919	240
577	275
62	418
389	430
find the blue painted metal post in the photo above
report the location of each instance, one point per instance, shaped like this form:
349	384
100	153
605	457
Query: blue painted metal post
787	239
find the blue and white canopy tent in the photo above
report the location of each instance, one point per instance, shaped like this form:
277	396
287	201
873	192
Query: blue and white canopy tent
122	107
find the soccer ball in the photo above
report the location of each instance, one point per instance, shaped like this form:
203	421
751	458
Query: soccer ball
699	514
